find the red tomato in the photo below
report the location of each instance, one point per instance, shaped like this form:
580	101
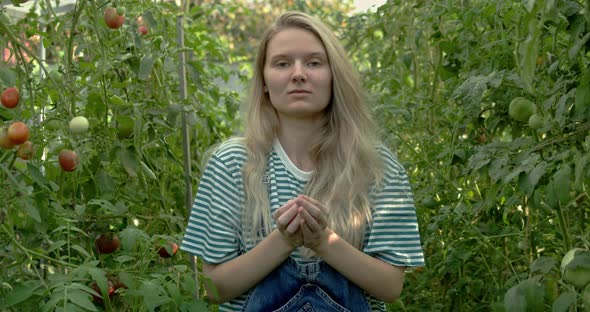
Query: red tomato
110	290
10	97
164	253
113	19
107	243
18	132
68	160
143	30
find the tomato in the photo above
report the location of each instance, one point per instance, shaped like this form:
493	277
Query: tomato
18	132
536	121
107	243
143	30
113	19
10	97
117	282
110	291
521	109
125	127
68	160
5	142
79	124
164	251
25	150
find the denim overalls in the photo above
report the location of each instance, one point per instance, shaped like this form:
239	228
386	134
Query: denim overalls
313	287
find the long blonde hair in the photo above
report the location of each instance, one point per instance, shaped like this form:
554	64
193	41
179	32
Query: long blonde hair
345	154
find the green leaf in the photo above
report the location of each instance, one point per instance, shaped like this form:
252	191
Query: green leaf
37	176
151	293
129	237
7	77
147	171
527	51
145	67
581	260
579	172
543	264
81	250
529	180
558	189
129	160
564	302
81	299
194	306
105	182
30	209
576	47
19	294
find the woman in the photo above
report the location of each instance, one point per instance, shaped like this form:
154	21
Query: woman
307	211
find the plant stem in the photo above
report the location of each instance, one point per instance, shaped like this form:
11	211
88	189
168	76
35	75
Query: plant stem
34	253
563	227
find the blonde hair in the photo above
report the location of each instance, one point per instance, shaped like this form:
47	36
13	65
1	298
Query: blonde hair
345	153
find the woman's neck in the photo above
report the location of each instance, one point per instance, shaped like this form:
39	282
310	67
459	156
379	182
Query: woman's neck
296	138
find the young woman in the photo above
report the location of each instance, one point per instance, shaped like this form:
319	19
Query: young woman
307	211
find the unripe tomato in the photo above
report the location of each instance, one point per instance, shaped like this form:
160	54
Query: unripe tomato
521	109
113	19
18	132
79	124
5	142
10	97
25	150
68	160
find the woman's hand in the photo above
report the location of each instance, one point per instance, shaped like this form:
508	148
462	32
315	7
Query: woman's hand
314	222
288	219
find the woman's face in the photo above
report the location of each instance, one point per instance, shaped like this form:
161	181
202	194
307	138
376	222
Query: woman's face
297	74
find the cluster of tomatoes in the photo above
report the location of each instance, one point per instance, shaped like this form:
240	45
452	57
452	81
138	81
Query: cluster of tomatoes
109	242
17	134
114	18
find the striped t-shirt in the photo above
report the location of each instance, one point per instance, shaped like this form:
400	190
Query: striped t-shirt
213	230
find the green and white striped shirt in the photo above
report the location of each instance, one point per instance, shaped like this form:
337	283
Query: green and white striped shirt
213	230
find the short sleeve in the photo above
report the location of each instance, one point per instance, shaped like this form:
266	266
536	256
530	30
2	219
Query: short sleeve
213	226
393	235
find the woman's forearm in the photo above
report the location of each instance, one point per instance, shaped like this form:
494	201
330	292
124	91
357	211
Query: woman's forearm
235	277
378	278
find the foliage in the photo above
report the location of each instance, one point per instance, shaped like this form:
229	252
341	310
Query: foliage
499	203
131	184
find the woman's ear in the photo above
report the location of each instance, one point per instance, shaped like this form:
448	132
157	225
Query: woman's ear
265	89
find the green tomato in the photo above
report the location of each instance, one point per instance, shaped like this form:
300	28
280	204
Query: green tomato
521	109
536	122
125	127
79	125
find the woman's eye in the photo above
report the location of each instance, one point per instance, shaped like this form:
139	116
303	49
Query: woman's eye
314	63
282	64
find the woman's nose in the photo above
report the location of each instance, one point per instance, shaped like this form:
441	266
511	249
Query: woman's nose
298	72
